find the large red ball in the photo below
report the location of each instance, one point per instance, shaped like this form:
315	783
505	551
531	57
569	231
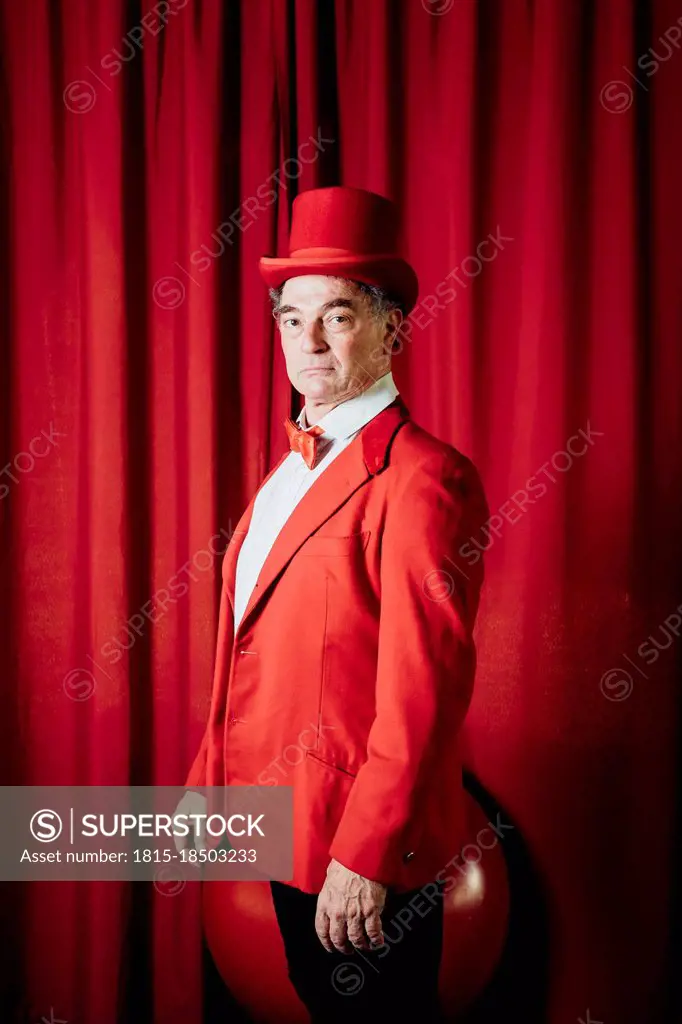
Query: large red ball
242	934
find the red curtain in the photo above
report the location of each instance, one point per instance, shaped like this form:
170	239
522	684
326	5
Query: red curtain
151	154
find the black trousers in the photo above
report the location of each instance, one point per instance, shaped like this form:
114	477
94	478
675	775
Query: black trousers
396	982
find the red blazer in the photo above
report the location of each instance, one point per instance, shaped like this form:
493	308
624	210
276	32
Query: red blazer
353	665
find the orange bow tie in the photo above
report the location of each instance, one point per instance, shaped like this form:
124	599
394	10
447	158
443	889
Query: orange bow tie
303	441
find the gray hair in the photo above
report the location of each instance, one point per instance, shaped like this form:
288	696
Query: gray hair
379	300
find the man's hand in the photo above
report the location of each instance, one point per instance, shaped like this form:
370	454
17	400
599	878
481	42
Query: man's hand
349	910
190	803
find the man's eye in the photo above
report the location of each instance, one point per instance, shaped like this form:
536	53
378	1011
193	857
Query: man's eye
290	321
340	317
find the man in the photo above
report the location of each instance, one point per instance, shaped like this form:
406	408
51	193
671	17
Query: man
347	603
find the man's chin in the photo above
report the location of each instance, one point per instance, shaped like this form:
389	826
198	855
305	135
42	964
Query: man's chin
317	386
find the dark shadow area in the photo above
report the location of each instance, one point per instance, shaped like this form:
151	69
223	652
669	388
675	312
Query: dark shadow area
519	987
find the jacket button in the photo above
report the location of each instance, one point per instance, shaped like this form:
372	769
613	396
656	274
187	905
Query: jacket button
408	856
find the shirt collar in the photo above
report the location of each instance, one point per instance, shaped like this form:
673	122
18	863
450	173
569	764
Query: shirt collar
348	417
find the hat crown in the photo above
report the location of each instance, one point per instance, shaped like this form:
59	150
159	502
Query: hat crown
345	232
348	220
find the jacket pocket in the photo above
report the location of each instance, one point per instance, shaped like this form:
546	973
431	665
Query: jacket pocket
321	544
327	764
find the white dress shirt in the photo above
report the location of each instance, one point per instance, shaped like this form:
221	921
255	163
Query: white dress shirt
277	499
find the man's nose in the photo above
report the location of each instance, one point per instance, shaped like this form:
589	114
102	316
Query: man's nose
312	338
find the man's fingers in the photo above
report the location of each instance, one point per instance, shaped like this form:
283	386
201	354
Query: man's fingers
322	929
373	928
338	933
349	924
191	803
356	929
356	933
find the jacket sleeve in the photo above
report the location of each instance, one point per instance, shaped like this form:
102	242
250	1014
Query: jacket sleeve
207	765
431	577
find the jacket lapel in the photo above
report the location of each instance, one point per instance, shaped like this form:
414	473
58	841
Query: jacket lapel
366	455
239	535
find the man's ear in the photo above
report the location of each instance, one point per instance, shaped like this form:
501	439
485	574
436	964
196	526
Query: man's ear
395	320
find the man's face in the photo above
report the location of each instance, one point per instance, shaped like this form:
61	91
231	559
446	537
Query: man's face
334	348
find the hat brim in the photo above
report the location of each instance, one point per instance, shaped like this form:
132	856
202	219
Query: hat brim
391	273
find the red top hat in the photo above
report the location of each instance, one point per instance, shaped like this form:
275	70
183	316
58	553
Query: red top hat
345	232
